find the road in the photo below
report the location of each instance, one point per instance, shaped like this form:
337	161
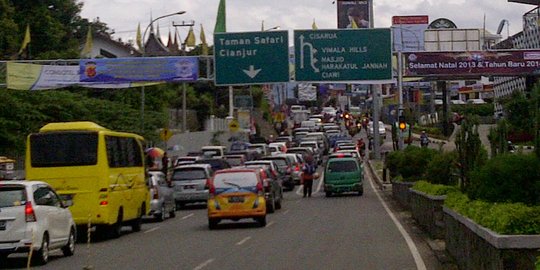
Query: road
345	232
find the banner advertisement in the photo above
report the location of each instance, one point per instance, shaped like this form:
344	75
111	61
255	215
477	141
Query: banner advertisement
408	32
122	70
485	63
23	76
244	120
349	11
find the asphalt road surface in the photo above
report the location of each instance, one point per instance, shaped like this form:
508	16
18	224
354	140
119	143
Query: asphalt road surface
343	232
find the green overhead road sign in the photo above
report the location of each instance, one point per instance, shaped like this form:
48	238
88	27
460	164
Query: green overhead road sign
345	55
251	57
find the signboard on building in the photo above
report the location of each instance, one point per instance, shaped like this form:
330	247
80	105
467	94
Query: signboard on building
485	63
408	32
347	11
251	57
346	55
437	40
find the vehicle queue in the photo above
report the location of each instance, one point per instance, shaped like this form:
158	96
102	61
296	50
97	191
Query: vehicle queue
246	181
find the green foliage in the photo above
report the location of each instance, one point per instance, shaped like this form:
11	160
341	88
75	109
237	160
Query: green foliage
471	153
498	138
474	109
441	169
507	178
434	189
411	163
28	111
503	218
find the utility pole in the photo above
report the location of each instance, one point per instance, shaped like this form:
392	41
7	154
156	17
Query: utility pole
184	86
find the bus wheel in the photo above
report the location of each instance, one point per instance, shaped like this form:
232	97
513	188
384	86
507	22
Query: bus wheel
116	229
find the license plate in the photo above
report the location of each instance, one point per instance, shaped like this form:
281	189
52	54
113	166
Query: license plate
236	199
2	225
189	187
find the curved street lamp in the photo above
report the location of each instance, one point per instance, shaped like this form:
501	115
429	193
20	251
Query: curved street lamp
144	54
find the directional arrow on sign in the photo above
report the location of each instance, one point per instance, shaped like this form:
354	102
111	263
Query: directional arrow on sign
252	72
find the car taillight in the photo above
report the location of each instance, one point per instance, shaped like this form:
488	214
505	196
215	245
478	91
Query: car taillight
211	188
156	193
297	168
260	189
29	214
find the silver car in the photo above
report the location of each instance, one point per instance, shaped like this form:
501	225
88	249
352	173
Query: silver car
161	196
33	216
190	183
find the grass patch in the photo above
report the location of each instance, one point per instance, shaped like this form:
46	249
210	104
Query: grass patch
434	189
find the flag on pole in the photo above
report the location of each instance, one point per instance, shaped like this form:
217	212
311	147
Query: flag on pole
221	24
190	39
139	37
87	50
314	26
26	39
204	45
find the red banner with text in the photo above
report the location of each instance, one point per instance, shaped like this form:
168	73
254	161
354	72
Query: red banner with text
485	63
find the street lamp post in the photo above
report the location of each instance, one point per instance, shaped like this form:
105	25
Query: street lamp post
144	54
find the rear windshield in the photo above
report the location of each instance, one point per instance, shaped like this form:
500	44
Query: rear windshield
234	161
343	166
188	174
281	162
63	149
235	179
12	196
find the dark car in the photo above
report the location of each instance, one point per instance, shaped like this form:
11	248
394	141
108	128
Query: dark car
286	165
273	188
215	163
235	160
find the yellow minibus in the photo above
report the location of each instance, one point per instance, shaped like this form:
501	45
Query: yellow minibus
101	171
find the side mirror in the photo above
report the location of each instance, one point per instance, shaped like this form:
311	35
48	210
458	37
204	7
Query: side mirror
67	203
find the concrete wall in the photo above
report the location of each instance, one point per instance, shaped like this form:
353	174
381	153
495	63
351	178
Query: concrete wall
427	211
182	143
475	247
400	192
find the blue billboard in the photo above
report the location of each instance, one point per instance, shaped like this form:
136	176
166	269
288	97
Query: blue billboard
139	69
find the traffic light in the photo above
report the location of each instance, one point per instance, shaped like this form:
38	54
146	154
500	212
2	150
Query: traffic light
402	124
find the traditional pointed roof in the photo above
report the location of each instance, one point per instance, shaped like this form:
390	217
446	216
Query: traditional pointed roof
169	40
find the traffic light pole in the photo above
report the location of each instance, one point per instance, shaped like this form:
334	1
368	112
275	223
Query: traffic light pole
400	98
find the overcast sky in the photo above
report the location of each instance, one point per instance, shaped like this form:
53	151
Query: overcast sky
247	15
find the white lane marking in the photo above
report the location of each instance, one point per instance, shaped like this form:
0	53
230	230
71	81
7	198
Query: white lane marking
270	224
204	264
286	211
243	241
153	229
420	265
188	216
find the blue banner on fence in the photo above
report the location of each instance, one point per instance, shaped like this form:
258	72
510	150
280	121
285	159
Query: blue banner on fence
140	69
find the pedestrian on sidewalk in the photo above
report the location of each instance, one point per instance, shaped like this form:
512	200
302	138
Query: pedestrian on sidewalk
307	176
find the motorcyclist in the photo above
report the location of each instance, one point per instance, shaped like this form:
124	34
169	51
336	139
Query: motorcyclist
361	146
424	139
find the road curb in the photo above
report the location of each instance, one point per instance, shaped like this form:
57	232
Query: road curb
374	175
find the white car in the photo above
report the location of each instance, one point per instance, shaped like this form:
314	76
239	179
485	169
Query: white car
382	129
33	216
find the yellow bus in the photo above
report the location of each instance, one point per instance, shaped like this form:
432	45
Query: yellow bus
101	171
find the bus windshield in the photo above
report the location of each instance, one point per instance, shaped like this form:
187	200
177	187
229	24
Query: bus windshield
64	149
